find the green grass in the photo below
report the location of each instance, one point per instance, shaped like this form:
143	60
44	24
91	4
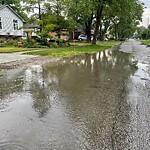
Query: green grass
101	43
15	49
75	50
108	43
145	41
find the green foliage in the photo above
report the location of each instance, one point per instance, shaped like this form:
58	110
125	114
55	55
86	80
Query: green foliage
142	33
120	17
11	42
2	45
55	45
9	1
125	16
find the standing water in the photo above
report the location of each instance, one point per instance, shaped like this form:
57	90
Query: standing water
77	103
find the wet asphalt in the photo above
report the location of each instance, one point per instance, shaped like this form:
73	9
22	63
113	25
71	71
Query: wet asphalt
95	101
139	95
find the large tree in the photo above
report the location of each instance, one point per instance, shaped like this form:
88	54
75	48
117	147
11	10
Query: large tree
120	15
36	7
85	12
124	16
82	11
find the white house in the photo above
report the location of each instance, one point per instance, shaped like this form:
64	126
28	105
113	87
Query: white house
10	22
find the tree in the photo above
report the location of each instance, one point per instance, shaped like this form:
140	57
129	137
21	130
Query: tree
8	2
85	12
36	7
53	21
123	17
119	16
82	11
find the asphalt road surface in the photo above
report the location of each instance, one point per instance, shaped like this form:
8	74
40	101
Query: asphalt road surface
139	96
95	101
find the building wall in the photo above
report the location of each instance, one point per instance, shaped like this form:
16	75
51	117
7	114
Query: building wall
7	17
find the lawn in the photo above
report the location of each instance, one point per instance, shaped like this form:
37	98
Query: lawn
147	42
75	50
101	43
15	49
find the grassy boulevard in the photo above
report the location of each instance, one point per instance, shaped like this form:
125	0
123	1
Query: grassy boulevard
147	42
75	49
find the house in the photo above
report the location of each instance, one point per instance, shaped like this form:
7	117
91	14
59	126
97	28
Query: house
64	35
31	29
10	22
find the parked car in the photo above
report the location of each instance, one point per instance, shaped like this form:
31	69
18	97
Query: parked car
83	37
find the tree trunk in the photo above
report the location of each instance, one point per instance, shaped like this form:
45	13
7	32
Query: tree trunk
59	33
100	32
88	25
106	26
40	16
116	36
98	18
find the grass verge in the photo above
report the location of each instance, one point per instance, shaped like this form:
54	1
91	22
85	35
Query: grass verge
15	49
147	42
75	50
101	43
108	43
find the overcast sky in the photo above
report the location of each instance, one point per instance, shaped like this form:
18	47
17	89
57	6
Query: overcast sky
146	14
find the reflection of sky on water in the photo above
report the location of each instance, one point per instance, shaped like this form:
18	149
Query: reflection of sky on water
106	57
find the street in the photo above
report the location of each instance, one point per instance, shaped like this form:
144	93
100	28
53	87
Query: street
97	101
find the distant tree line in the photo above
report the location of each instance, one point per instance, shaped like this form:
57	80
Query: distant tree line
119	17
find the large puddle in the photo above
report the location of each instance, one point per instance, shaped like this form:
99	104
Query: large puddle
78	103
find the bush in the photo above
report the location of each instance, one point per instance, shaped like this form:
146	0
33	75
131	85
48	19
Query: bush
2	45
11	42
122	39
55	45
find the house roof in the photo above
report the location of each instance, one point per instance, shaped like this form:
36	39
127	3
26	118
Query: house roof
4	6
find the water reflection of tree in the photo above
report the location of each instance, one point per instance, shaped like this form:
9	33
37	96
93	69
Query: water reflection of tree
41	102
40	91
97	84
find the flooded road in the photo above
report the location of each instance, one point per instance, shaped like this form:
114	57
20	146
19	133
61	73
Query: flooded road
82	102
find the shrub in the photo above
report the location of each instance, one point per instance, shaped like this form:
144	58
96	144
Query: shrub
11	42
2	45
55	45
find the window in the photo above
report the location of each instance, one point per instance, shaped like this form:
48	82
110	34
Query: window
15	23
0	23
